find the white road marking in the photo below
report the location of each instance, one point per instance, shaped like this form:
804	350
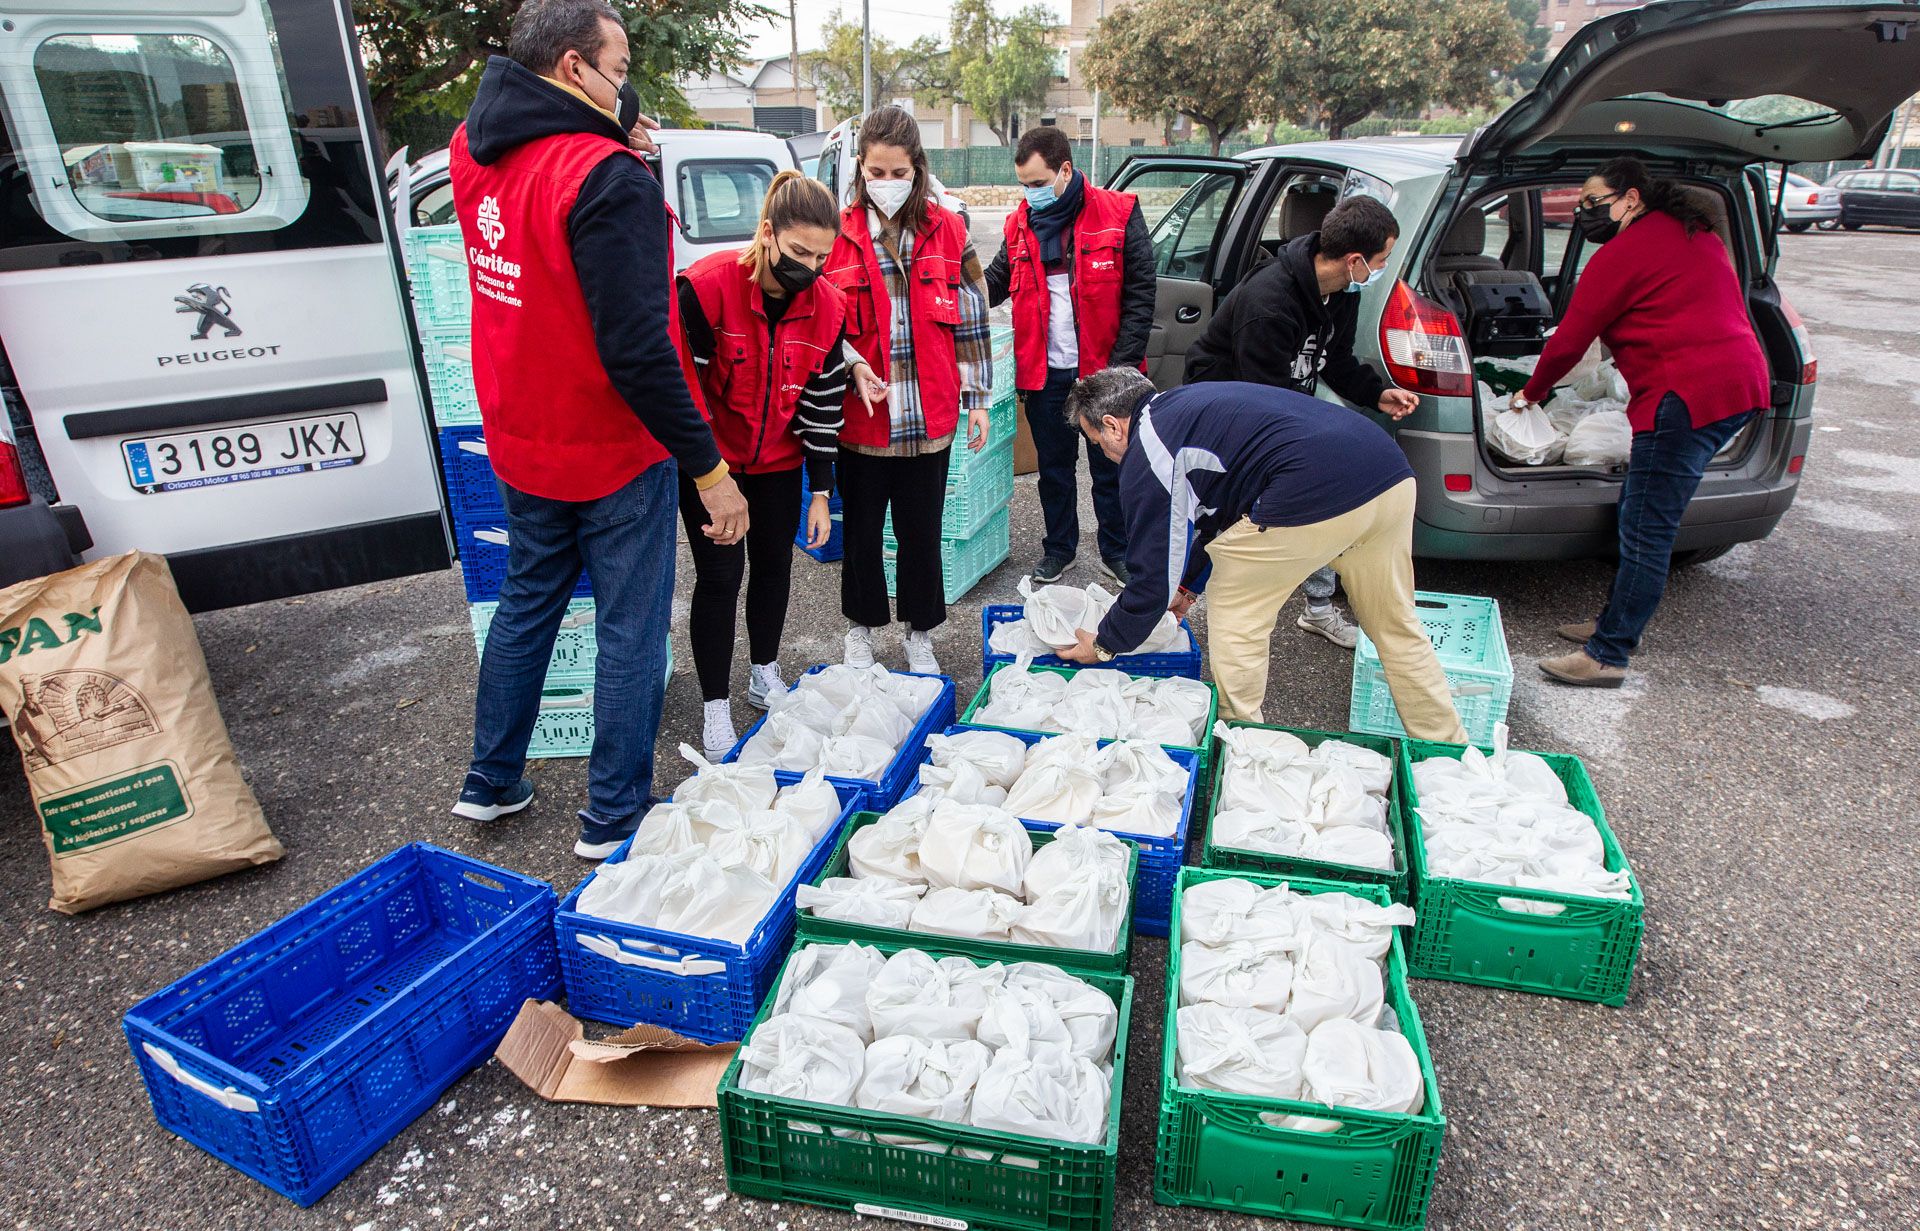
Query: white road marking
1815	705
1844	516
1736	565
1590	718
1899	475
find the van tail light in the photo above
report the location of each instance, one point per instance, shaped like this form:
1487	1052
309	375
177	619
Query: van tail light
13	479
1459	482
1809	366
1424	346
1797	463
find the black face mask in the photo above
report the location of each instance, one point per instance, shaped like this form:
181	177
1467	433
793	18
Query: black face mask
626	108
794	278
1595	223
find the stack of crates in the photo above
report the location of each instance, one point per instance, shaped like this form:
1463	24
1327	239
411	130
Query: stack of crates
974	533
1470	642
437	270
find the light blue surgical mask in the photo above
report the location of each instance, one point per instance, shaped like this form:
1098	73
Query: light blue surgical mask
1373	276
1039	198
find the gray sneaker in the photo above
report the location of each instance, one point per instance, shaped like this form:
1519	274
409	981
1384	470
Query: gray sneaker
1331	625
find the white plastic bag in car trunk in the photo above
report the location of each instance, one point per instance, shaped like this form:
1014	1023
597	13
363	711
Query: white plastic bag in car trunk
750	788
978	914
971	846
1054	1094
1524	436
1239	1051
805	1058
877	901
1601	439
1242	974
830	982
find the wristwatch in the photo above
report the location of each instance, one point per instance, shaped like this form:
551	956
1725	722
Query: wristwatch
1102	653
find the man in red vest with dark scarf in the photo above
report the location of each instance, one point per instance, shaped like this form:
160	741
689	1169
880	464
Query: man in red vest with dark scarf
1079	265
584	398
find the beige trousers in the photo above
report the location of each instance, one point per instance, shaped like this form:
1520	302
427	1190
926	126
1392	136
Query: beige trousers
1256	571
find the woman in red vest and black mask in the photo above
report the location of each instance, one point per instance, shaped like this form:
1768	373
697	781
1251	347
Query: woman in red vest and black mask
767	336
917	309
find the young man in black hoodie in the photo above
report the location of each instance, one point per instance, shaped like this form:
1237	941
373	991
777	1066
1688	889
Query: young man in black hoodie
1291	324
584	398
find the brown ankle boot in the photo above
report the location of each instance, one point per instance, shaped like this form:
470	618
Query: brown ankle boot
1579	634
1583	671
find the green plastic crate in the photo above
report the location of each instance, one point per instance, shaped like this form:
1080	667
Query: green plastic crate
1470	642
1203	751
448	355
963	562
974	495
1586	952
1376	1171
437	276
1397	881
833	931
782	1149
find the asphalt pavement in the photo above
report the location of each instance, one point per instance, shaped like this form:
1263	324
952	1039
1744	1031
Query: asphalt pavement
1759	770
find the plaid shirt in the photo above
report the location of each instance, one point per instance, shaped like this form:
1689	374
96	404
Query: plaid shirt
972	344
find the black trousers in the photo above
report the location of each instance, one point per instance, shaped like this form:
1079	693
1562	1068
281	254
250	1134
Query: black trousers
916	490
773	515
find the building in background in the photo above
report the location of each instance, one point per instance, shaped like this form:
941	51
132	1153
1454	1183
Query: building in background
1565	17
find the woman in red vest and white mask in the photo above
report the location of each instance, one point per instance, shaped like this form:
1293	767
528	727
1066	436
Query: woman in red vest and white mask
917	309
768	338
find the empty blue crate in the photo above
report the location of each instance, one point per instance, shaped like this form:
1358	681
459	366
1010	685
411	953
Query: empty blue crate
472	491
897	778
833	548
1471	644
1186	663
297	1053
483	559
437	276
448	355
624	974
964	563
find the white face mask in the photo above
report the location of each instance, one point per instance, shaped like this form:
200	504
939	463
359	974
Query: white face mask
888	196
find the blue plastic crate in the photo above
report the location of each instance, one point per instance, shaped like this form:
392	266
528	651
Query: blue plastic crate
894	781
964	563
1159	665
473	493
299	1052
709	990
1471	643
483	559
437	276
448	355
1160	858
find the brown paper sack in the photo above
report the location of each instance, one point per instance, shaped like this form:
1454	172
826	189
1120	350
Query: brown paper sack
132	774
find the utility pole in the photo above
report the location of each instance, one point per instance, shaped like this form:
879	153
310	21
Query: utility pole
866	56
1093	162
793	44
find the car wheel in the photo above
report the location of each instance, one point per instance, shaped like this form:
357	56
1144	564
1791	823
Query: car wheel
1798	227
1853	226
1829	224
1700	555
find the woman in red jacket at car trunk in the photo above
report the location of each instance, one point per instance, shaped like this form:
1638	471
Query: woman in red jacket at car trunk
1663	295
767	336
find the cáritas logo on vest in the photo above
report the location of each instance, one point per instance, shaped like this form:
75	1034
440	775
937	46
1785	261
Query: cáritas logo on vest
38	634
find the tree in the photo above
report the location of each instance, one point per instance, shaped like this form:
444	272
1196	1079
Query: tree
426	54
1207	62
1335	62
1001	67
1526	74
917	70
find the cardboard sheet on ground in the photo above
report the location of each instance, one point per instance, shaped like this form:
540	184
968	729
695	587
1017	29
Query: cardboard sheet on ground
647	1066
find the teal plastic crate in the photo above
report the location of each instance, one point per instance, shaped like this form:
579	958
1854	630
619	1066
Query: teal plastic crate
1001	341
1003	421
1471	644
963	562
448	354
437	274
564	725
574	649
974	495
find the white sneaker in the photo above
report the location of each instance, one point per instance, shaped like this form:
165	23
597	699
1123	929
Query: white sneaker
1331	625
717	736
859	651
920	654
763	681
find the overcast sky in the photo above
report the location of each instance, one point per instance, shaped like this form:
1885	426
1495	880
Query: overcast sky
899	21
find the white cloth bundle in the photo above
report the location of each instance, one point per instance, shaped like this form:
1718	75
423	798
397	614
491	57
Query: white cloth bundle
933	1079
1074	849
849	721
1039	1009
1348	1064
812	801
1239	1051
1332	980
1263	831
916	995
1241	974
973	846
1132	765
689	892
1051	616
1020	697
807	1058
1104	704
1374	770
855	756
750	788
1128	786
774	844
1279	797
996	755
1362	926
984	914
1049	1094
876	901
830	982
669	828
784	741
1054	791
1604	438
1084	911
890	847
1218	912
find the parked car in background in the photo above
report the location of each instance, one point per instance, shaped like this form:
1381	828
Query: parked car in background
1557	206
1871	198
839	163
715	178
1478	274
1805	203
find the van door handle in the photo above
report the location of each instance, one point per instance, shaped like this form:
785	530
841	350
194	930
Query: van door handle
1186	314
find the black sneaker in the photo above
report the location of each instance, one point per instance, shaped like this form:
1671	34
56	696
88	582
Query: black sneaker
1116	568
1048	570
599	839
480	800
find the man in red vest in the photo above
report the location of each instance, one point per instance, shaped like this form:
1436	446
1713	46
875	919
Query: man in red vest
1079	266
584	399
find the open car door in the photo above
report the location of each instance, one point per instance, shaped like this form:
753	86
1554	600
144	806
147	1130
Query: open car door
1188	204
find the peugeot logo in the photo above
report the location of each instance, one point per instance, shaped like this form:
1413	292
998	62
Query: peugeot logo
491	228
212	305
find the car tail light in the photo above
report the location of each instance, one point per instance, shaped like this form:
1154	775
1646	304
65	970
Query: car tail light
13	479
1424	346
1459	482
1809	366
1813	198
1797	463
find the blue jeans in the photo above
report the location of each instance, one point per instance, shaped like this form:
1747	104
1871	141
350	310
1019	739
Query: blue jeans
1319	586
626	542
1056	447
1662	475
